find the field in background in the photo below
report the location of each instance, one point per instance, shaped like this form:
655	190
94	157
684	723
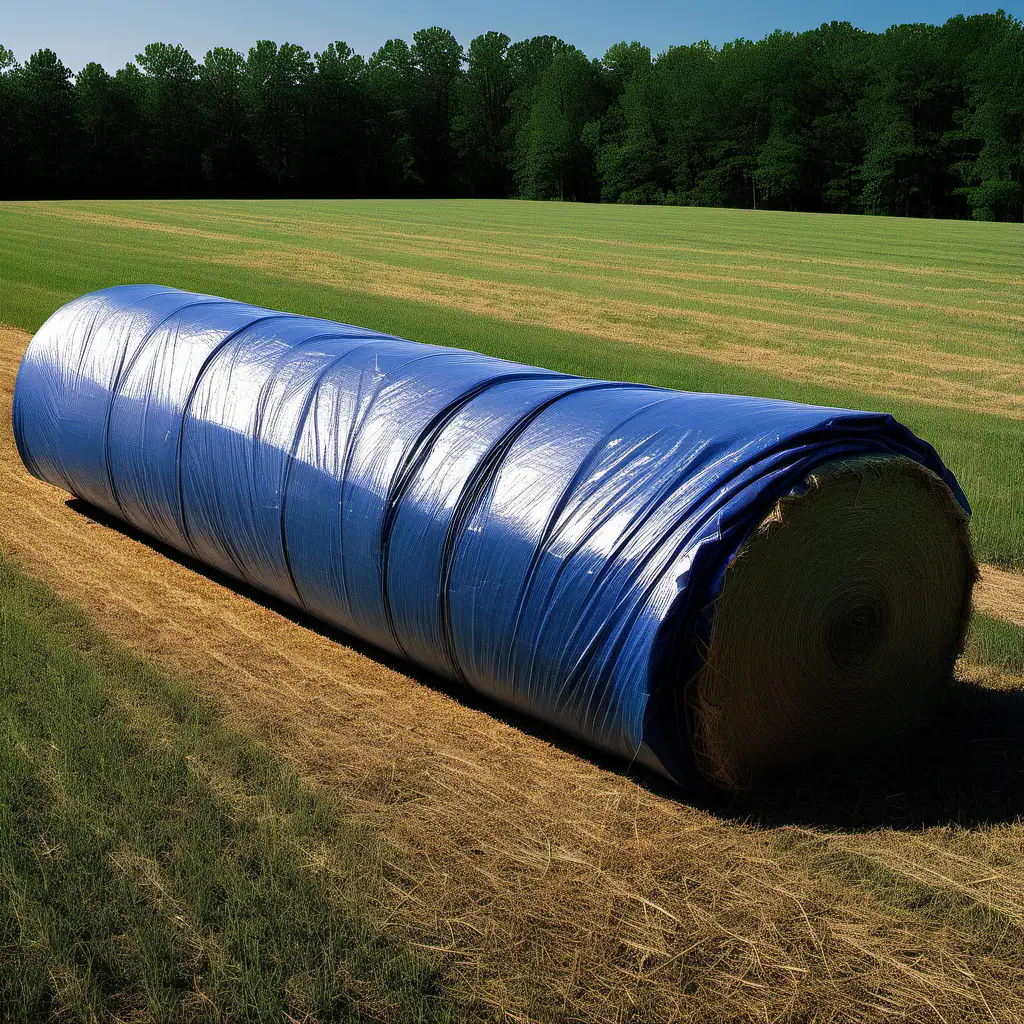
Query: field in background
921	318
553	885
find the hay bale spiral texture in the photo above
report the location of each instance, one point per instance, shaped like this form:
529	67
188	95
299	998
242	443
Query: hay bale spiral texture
705	584
839	620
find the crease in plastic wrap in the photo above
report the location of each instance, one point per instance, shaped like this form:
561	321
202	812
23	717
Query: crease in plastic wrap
553	542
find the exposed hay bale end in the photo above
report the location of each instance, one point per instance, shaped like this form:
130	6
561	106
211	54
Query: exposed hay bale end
839	621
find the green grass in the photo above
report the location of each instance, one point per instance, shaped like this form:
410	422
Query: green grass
994	642
878	291
156	866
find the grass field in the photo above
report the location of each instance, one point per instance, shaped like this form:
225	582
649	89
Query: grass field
921	318
157	866
548	885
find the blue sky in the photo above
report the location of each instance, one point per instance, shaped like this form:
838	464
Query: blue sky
113	31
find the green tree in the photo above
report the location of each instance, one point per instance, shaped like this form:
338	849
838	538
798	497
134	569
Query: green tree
109	131
996	121
174	157
527	61
339	148
733	124
228	156
390	86
530	58
685	113
131	132
46	130
624	60
480	126
835	80
913	114
629	142
554	159
8	121
276	90
437	62
782	161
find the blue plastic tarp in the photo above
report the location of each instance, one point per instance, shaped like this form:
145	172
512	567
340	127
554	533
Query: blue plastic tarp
553	542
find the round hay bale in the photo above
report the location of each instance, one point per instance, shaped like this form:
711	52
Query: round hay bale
838	622
558	544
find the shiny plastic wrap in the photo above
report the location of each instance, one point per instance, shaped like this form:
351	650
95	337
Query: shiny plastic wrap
553	542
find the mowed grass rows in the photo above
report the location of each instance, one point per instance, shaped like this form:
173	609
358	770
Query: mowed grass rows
919	318
161	866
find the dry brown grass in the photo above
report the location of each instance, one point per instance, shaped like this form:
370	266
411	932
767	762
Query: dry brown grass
788	351
1001	594
557	885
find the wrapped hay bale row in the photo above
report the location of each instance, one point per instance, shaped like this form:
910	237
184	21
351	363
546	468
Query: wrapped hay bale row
702	583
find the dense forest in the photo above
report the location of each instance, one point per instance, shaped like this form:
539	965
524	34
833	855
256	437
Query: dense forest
919	120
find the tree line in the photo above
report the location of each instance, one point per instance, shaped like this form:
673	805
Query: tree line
919	120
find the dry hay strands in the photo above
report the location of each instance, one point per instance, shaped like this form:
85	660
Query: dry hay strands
838	623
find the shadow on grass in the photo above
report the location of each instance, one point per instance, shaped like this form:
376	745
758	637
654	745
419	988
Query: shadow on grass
964	767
